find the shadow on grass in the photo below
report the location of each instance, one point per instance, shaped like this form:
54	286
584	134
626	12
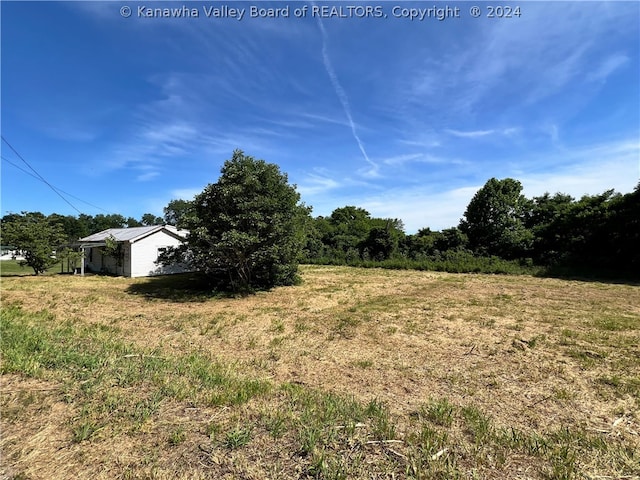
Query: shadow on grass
591	275
184	287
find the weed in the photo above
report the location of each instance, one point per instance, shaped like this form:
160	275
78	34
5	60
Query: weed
300	326
277	326
477	424
363	363
615	323
177	436
439	412
238	437
345	326
213	430
84	431
276	424
309	437
382	426
276	342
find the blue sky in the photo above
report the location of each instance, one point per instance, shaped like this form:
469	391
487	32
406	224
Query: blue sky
404	118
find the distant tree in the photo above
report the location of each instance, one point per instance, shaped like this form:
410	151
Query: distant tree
73	227
379	244
313	247
349	228
35	237
176	212
623	229
494	220
549	222
149	219
421	244
86	224
248	228
132	222
451	239
102	222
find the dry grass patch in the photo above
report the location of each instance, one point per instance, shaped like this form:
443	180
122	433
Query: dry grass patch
353	374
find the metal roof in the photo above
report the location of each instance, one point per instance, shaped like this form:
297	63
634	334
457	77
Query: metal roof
131	234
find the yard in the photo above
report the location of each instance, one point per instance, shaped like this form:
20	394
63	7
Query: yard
353	374
12	268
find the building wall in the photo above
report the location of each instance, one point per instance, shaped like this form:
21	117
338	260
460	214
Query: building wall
144	253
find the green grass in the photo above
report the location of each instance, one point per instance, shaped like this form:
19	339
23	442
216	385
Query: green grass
12	268
91	359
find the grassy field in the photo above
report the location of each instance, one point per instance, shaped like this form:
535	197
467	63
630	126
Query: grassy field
11	268
355	374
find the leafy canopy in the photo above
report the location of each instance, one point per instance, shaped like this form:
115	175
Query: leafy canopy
35	237
247	230
494	219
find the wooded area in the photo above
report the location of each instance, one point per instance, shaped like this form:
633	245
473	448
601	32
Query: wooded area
501	231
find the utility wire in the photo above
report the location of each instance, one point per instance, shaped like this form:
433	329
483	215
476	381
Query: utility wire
59	189
39	176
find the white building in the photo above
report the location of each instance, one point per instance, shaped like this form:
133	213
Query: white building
140	248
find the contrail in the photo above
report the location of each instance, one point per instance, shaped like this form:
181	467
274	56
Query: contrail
342	96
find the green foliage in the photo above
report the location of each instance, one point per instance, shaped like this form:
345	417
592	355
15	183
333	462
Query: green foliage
247	230
596	234
103	222
494	220
35	237
114	249
177	211
379	244
351	234
149	219
453	261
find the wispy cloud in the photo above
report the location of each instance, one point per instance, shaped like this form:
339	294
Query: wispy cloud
316	184
418	208
608	66
481	133
372	171
147	176
421	158
584	169
558	60
470	134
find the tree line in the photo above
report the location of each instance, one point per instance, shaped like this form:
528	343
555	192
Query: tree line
596	233
250	230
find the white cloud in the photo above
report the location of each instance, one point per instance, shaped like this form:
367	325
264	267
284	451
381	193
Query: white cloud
145	177
607	67
588	170
316	185
419	209
470	134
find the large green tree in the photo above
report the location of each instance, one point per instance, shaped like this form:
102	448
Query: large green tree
494	219
35	237
247	230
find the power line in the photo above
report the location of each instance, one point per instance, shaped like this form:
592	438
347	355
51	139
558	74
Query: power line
39	176
59	189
